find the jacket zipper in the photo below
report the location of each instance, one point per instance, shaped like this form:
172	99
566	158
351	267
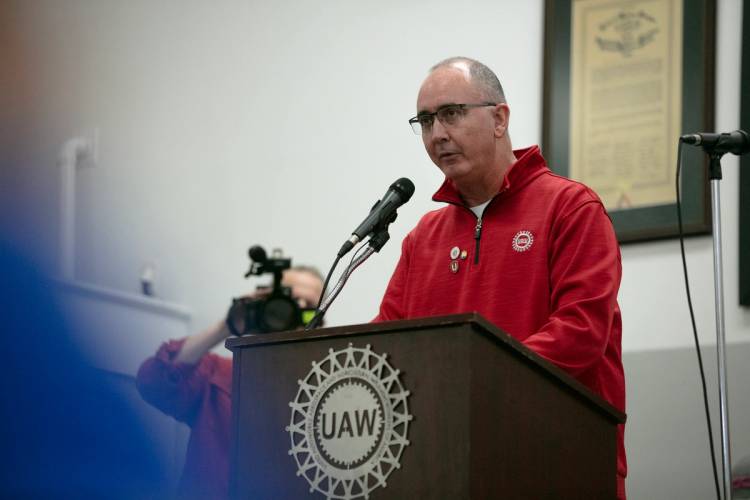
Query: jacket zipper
477	237
477	228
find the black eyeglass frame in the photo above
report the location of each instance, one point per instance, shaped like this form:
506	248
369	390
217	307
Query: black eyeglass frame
416	124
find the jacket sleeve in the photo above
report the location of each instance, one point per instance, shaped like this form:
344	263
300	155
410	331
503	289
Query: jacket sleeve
392	305
585	273
175	388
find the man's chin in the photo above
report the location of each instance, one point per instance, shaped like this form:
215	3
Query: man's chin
454	169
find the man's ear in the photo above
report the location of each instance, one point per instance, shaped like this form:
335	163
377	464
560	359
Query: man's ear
502	118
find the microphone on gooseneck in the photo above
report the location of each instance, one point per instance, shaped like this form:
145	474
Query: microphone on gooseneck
383	213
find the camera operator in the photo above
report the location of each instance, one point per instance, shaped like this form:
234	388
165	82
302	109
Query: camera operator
186	381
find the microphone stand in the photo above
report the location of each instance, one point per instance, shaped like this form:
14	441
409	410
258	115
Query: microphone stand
377	241
715	176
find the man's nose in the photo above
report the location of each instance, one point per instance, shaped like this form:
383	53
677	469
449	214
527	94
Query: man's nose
439	132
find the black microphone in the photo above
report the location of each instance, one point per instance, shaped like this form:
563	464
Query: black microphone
737	142
257	253
382	213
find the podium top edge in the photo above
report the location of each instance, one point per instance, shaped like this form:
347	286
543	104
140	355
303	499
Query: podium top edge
477	322
358	329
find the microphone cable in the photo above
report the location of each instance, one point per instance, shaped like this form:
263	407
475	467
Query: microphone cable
692	319
315	321
357	259
325	283
318	312
330	274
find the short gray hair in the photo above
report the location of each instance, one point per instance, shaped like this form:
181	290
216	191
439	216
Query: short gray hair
304	268
481	76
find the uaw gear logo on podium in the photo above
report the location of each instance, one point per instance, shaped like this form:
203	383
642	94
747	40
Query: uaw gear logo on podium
349	423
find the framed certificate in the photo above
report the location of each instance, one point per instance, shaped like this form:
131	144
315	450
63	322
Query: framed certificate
623	79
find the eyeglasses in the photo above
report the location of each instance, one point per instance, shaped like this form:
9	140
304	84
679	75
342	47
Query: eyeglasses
450	114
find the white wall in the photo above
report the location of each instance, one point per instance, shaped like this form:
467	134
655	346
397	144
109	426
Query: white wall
232	123
224	125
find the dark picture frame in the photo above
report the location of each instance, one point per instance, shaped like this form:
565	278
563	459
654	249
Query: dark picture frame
659	221
744	208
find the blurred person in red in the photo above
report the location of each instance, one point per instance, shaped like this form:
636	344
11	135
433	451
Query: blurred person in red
188	382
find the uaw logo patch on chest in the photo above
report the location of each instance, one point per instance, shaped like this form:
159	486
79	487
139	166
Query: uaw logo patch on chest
349	423
522	241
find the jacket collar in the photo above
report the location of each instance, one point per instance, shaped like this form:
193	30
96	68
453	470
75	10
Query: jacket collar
528	165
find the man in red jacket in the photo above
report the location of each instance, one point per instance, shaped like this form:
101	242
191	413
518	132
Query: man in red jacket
533	252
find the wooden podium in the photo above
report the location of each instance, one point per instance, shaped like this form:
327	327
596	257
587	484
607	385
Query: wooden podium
484	417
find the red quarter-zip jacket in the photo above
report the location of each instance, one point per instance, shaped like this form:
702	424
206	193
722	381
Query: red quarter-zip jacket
542	263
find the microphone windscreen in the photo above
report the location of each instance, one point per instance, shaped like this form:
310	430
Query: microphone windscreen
257	254
405	187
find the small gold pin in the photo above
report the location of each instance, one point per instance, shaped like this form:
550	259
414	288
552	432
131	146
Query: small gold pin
454	266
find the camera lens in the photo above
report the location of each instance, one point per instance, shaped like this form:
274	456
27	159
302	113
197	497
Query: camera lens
280	313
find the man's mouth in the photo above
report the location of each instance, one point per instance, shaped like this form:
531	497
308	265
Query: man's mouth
447	155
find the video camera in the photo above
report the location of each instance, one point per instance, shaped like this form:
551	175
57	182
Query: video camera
266	312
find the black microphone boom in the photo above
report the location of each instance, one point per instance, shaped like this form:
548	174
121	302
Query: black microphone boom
737	142
382	213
